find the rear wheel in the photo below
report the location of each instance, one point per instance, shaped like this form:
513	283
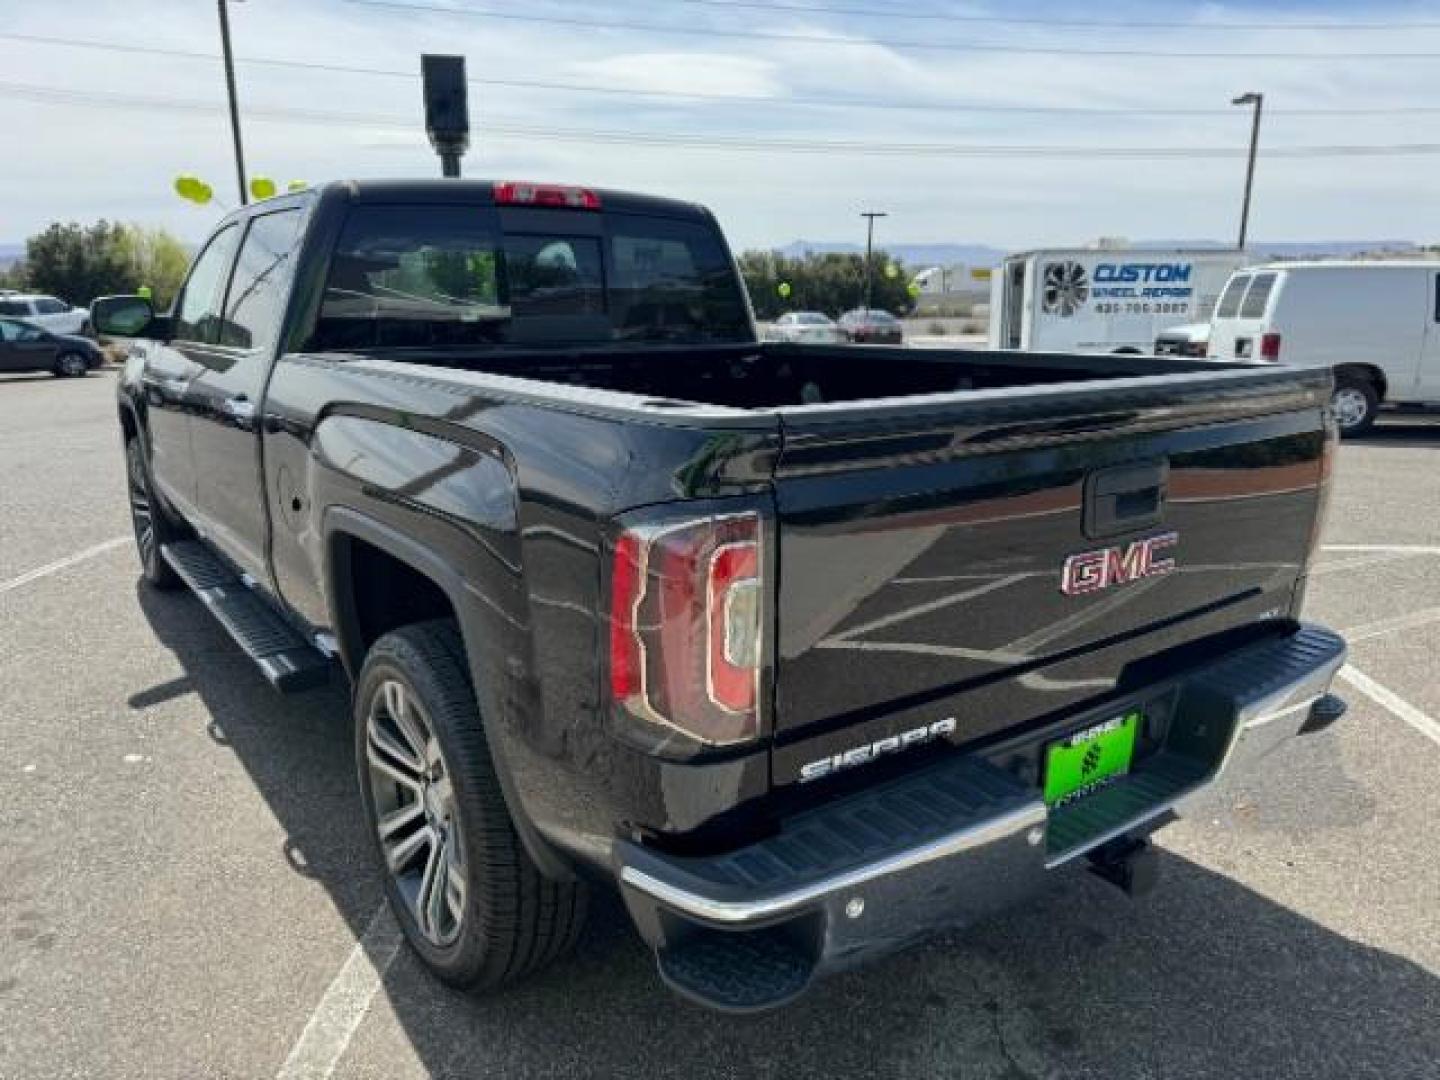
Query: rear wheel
470	901
1356	404
152	527
71	365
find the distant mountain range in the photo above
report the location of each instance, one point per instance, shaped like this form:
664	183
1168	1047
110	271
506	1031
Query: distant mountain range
922	255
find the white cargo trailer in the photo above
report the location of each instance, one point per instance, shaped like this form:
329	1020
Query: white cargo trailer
1102	300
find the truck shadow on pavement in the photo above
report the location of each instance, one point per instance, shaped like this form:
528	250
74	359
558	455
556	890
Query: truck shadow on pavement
1203	978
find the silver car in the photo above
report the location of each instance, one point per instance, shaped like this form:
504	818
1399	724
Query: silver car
807	327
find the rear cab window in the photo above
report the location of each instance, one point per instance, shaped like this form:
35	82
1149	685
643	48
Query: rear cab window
428	276
1229	305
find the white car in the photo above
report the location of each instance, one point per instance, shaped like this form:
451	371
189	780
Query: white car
808	327
48	312
1376	323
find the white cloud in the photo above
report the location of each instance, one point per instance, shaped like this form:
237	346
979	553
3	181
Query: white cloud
686	73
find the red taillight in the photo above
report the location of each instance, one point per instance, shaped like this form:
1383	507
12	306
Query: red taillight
685	626
515	193
624	644
1270	347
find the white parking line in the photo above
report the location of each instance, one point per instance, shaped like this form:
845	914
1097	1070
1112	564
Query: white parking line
333	1023
1388	699
1398	549
1409	621
61	564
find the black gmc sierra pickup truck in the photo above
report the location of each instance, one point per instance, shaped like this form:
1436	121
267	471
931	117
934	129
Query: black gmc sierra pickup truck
811	650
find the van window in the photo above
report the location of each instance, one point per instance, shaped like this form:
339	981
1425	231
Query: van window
1230	299
1257	297
1437	298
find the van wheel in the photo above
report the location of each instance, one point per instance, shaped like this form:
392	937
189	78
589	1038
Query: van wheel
469	899
1356	404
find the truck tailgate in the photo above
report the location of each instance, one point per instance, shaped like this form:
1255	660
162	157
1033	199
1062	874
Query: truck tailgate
997	556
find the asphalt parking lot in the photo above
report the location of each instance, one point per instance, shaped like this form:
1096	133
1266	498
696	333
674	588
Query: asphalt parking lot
185	889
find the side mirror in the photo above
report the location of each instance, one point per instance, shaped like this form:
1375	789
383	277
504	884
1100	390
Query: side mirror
126	316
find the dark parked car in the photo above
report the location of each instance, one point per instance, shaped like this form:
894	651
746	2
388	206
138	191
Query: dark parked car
871	327
27	347
810	650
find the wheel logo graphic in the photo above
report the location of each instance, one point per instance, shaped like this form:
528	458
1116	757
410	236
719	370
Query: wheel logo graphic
1066	286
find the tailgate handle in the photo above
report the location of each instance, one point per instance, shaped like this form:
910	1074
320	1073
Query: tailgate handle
1126	498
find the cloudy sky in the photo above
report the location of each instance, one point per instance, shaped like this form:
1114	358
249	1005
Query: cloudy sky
964	127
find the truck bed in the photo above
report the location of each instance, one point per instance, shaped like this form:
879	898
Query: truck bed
769	376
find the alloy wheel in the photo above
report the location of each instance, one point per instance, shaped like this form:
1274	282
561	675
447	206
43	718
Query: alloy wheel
415	818
142	512
73	365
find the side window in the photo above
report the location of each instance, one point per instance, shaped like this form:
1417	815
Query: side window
1230	299
1437	298
9	331
48	305
1257	297
198	316
256	301
17	308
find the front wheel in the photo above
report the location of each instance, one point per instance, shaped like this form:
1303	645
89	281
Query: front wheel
152	528
471	902
1356	404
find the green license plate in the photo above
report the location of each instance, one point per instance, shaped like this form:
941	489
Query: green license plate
1080	763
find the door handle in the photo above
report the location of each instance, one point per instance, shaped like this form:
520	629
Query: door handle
240	408
1126	498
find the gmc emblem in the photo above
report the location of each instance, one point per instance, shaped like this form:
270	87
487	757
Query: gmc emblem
1095	570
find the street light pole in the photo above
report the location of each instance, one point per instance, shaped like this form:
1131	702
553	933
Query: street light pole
870	216
1257	100
234	105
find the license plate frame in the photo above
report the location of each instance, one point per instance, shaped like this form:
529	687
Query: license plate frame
1084	761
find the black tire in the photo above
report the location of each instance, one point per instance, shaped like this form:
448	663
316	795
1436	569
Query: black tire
512	919
71	365
145	513
1356	405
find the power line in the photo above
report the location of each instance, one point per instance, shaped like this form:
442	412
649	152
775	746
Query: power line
891	43
1069	24
744	143
673	95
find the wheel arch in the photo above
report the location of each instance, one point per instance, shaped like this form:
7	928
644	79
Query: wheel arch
349	538
1365	372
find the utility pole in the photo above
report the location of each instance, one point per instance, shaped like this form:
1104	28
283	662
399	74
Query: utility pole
234	105
1257	100
870	216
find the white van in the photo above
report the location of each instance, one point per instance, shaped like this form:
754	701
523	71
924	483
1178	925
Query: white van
1110	300
1376	323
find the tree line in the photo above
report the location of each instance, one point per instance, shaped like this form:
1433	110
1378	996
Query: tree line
80	262
830	282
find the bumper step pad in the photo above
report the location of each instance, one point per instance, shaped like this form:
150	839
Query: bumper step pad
737	972
284	657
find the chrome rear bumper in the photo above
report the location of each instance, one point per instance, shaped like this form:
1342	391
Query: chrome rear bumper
867	873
